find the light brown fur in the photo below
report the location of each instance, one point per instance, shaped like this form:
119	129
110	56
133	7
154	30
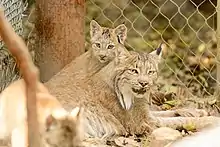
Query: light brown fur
57	127
104	114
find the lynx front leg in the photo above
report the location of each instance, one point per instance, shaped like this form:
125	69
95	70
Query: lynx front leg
142	120
19	137
102	124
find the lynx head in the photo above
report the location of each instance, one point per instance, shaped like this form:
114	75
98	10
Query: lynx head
63	129
104	40
136	75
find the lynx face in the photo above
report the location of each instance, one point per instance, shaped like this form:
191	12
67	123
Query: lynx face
136	75
104	40
63	130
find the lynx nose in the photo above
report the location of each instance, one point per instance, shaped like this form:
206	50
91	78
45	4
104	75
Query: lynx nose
143	83
102	57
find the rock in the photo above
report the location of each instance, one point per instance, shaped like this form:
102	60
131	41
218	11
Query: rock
207	137
162	136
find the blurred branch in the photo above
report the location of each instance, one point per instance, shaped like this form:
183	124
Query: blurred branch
218	54
30	74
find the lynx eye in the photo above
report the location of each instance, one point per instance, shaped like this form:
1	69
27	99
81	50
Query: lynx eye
110	46
98	45
151	72
134	71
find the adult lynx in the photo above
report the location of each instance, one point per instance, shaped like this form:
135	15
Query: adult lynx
131	75
116	99
57	127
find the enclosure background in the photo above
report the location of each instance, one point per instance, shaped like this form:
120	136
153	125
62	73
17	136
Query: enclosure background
187	27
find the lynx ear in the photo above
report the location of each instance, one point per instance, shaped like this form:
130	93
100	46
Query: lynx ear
51	121
53	118
158	51
77	112
121	54
121	32
94	28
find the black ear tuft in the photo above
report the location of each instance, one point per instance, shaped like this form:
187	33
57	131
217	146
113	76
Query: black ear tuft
119	41
159	49
121	32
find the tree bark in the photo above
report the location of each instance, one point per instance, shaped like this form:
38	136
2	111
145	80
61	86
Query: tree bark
60	28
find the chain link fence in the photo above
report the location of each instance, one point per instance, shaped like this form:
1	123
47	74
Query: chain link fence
187	27
13	10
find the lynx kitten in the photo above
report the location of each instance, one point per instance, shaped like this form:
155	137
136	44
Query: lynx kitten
57	127
104	42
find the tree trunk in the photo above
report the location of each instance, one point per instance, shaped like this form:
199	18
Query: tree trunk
60	28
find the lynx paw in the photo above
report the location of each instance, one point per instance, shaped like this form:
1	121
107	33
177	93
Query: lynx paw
140	128
144	128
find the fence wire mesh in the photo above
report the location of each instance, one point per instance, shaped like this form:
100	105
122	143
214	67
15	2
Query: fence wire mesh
13	10
187	27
